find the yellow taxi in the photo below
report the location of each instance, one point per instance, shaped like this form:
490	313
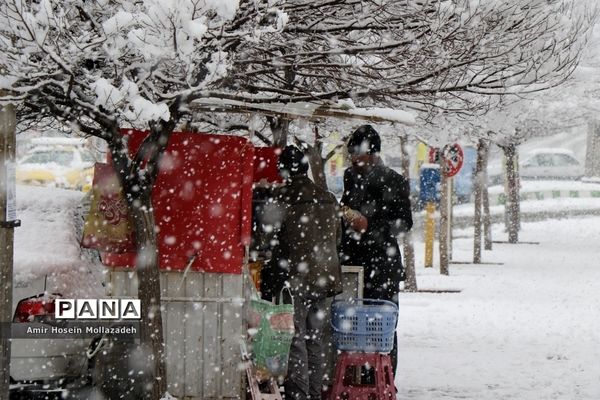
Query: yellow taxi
69	167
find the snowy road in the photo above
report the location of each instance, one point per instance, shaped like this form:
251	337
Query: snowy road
529	329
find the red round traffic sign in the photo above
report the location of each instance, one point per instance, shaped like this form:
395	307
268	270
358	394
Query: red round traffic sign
455	157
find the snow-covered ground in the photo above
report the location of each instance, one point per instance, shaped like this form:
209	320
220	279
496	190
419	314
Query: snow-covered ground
559	205
527	329
544	196
550	185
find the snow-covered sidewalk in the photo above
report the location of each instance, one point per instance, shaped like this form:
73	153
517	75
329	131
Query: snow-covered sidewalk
528	329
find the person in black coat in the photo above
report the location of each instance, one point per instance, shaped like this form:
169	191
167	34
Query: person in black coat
306	226
376	208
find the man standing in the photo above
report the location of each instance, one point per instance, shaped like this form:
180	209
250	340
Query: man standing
307	233
376	208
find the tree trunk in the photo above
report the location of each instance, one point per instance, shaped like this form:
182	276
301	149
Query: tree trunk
410	276
410	282
512	197
517	194
280	130
592	161
444	270
137	189
280	127
151	327
7	155
317	166
478	185
487	218
316	161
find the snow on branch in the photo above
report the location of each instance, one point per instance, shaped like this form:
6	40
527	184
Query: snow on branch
307	110
133	61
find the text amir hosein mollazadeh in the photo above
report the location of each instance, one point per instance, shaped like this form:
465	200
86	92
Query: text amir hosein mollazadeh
77	330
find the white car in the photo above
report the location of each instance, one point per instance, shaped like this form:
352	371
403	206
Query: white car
552	163
48	260
547	163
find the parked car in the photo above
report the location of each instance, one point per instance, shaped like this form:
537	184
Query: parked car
47	368
69	167
48	261
551	164
543	163
47	359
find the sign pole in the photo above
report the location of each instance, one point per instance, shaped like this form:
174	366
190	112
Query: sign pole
429	233
450	215
7	224
429	180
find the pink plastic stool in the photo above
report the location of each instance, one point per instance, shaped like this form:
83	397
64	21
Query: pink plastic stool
363	376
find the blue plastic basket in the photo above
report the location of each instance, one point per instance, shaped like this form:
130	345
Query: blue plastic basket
364	325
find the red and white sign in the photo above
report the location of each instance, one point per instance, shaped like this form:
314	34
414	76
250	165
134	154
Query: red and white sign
454	156
454	159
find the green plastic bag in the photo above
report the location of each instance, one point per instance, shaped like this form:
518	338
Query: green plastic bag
273	338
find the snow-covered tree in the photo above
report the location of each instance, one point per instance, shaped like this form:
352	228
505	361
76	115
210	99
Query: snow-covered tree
104	65
108	64
439	56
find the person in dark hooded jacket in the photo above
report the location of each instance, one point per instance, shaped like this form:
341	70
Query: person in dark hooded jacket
304	257
376	208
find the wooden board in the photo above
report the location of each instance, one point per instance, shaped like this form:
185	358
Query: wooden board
203	326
